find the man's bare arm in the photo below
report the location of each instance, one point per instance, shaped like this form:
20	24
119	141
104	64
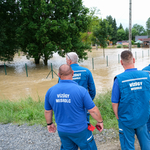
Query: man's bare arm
115	109
95	113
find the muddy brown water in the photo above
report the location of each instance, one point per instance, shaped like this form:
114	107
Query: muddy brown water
16	85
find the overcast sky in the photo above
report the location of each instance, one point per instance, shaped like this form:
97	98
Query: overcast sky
119	9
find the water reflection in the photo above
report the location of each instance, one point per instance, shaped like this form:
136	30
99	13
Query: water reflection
16	85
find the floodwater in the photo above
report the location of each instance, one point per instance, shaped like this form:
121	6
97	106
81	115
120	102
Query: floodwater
19	84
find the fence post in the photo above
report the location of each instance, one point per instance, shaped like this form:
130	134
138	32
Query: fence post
93	63
118	58
26	70
135	55
5	69
142	54
52	70
107	60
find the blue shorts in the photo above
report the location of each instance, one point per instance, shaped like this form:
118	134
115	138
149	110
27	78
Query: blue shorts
127	137
71	141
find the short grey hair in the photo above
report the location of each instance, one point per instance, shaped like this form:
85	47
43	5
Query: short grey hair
72	56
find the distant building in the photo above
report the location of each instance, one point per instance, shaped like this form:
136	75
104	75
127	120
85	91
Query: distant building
140	37
146	42
122	42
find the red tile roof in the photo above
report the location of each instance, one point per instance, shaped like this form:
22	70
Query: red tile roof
147	39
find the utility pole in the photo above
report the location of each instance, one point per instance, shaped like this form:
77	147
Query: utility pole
130	24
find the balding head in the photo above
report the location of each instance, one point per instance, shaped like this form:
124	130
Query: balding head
65	72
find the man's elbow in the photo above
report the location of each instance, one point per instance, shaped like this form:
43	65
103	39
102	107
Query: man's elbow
92	110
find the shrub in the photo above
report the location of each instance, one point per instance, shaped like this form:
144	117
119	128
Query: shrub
119	46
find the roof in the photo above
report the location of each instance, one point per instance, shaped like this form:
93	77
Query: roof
146	39
141	37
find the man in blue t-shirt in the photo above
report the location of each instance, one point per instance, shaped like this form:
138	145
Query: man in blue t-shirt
82	75
68	100
130	102
147	69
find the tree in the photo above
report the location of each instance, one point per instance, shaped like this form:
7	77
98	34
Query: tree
120	34
114	32
134	33
101	34
120	26
127	34
93	22
148	26
140	29
110	22
52	26
8	26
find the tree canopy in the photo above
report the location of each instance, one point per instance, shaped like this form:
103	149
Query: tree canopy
101	32
42	27
148	26
52	26
8	25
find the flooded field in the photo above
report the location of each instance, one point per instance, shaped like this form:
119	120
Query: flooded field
16	84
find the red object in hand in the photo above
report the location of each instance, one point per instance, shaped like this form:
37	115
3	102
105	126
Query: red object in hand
98	127
91	127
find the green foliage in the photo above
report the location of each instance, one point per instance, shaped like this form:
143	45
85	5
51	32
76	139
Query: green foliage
112	29
23	111
126	34
114	32
119	46
132	42
138	45
8	26
140	29
32	112
103	102
52	26
101	33
120	34
93	22
148	26
120	26
125	46
134	33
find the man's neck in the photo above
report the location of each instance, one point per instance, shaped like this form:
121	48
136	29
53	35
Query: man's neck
128	67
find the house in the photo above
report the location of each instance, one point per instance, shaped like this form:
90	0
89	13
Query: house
146	42
122	42
145	39
140	37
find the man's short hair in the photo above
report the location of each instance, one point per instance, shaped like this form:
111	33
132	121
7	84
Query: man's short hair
126	55
72	56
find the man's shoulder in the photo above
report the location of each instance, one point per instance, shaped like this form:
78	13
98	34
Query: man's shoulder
147	68
79	68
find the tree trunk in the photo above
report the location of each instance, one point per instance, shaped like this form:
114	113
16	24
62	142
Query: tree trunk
103	52
37	60
45	61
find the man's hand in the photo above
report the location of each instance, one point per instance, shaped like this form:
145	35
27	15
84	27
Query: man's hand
51	128
99	126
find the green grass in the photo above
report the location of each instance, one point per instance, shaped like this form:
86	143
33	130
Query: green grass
103	102
32	112
22	111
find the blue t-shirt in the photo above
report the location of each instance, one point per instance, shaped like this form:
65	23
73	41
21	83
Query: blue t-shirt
69	102
115	97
